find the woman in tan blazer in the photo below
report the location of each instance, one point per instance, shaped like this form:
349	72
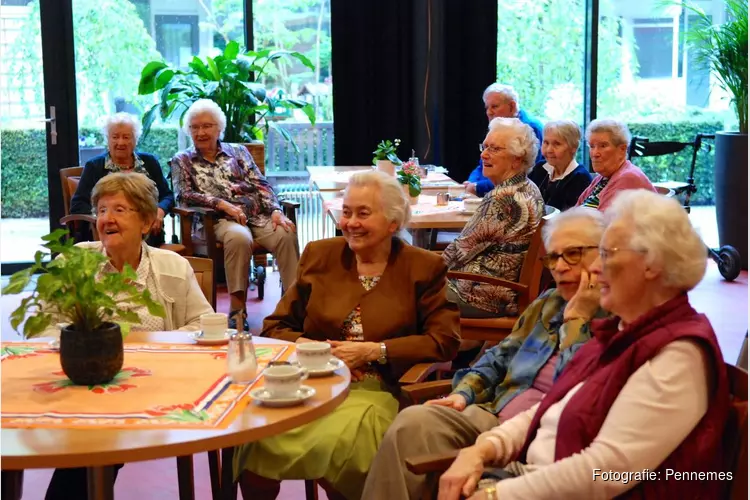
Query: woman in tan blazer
382	305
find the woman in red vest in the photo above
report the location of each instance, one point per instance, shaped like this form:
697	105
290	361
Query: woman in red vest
639	411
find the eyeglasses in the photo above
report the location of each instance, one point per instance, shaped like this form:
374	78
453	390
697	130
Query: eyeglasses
202	126
117	211
571	256
493	150
606	253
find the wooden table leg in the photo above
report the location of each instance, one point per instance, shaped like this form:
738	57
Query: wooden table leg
228	485
214	470
185	480
11	484
101	483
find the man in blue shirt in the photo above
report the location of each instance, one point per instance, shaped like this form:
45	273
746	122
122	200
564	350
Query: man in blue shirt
501	101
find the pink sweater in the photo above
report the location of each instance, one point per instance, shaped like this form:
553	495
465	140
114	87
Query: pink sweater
627	177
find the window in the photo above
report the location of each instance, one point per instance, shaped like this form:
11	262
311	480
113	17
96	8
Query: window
177	38
654	48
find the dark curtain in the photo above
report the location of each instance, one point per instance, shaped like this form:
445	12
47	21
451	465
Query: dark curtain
469	66
371	54
416	70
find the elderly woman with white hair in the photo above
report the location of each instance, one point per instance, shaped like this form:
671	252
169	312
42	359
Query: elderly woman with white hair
510	377
608	148
495	240
224	177
122	131
501	101
560	178
646	395
382	305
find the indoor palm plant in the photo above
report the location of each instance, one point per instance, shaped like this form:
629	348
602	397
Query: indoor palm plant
722	48
67	291
231	80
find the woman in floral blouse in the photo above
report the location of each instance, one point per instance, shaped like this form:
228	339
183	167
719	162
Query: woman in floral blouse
382	305
495	240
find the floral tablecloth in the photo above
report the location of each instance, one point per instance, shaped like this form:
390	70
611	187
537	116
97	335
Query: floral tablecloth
159	386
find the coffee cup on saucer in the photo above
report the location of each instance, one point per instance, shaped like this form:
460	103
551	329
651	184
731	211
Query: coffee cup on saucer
283	381
314	355
213	325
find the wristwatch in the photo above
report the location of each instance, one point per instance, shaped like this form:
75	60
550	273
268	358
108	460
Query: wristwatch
488	486
383	359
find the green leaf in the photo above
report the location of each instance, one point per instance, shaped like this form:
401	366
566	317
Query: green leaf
17	282
36	324
214	70
231	50
148	77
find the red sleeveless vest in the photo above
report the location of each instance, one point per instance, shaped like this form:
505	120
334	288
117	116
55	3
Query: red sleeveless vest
607	361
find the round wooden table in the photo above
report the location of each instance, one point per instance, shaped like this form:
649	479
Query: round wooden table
95	449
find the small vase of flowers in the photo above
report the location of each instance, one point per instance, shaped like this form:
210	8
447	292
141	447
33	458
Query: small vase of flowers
385	158
408	176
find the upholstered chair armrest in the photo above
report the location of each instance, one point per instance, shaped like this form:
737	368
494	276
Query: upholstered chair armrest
423	391
436	462
78	218
420	371
289	204
490	280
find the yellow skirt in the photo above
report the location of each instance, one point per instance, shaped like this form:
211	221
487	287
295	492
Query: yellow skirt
338	447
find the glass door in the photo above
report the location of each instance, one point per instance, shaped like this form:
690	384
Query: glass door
38	129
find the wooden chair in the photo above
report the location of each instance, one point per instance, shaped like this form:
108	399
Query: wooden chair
204	274
734	439
70	178
207	245
527	287
735	434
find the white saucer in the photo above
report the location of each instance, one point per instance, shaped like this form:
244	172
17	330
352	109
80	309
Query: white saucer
332	365
198	338
264	397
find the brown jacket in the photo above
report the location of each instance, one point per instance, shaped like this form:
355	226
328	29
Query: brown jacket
407	310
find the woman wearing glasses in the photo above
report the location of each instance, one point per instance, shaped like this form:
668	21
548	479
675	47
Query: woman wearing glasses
510	377
125	207
647	393
224	177
495	240
122	131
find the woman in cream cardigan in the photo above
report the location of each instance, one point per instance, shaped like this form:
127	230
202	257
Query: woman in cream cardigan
126	207
382	305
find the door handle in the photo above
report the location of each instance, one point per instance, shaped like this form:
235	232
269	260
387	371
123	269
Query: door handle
52	120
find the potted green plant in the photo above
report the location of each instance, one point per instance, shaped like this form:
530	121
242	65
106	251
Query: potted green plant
722	48
97	313
231	80
409	178
385	157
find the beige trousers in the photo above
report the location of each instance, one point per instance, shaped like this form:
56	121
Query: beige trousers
238	249
421	430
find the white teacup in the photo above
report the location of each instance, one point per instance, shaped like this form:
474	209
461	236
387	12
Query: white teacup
471	204
214	325
284	380
314	355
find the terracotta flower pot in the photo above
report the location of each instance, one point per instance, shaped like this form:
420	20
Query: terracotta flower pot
386	166
413	200
91	358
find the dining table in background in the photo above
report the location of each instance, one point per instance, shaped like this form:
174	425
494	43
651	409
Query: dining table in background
97	448
426	216
334	179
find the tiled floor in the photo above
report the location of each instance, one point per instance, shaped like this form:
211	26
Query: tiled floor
725	304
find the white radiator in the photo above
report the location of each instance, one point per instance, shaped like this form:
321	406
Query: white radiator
309	214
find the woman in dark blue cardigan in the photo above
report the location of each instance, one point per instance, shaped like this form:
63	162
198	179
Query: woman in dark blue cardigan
123	131
560	178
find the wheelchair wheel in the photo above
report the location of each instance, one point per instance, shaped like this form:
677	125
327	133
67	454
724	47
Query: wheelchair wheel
260	276
730	262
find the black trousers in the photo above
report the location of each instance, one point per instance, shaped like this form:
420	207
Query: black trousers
71	484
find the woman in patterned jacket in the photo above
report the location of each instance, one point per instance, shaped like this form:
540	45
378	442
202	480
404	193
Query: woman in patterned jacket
495	240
